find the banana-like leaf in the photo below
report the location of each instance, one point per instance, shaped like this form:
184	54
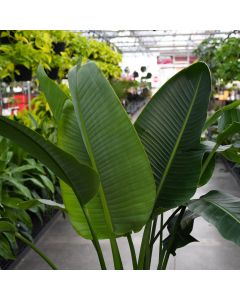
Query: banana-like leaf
232	154
70	140
82	178
228	132
127	190
211	120
207	147
222	210
55	96
170	128
228	117
208	172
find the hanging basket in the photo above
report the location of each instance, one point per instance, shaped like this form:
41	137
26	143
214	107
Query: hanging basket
5	40
58	47
53	73
23	73
7	79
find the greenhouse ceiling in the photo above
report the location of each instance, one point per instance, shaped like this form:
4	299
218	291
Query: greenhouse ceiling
164	42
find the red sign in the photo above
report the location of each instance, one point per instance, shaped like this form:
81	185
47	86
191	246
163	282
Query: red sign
164	60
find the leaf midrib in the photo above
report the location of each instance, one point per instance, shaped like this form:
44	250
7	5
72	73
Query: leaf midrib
87	143
223	209
178	140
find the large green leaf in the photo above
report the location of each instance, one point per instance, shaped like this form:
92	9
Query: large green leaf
207	147
69	139
170	128
228	117
213	119
127	190
208	172
55	96
229	131
222	210
83	179
232	154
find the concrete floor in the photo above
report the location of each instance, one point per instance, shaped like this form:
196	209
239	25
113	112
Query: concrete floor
71	252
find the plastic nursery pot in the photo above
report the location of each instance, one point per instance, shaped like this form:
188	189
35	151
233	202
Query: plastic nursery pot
149	75
7	39
53	73
58	47
7	79
23	73
135	74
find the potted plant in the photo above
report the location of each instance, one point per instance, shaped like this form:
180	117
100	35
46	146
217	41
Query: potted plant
7	37
58	40
6	68
164	167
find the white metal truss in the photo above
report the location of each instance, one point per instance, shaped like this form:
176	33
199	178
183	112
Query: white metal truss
164	42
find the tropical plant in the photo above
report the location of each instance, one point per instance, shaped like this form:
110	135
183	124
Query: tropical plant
121	87
222	133
28	48
23	183
222	57
117	178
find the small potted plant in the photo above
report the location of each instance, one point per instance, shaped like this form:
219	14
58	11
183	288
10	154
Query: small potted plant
7	37
58	40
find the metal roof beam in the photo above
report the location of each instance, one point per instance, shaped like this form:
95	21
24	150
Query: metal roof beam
170	34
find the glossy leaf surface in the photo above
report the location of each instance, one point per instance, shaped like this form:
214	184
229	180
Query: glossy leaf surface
222	210
110	142
80	177
213	119
170	128
55	96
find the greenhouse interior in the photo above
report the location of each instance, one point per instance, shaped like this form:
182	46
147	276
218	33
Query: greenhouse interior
119	150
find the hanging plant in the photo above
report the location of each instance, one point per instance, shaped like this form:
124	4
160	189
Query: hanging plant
22	73
59	47
7	37
53	73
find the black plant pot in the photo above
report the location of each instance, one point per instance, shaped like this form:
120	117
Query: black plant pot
53	73
7	39
24	74
135	74
7	79
58	47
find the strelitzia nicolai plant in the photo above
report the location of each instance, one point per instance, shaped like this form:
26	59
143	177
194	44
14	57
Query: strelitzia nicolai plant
117	178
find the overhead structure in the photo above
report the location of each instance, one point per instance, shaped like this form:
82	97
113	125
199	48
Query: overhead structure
164	42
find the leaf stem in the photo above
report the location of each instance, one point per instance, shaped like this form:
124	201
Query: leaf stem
144	244
31	245
116	255
168	251
164	226
132	250
149	249
207	161
95	241
161	237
